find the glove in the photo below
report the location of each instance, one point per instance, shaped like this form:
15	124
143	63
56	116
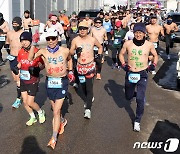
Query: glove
152	67
106	42
125	67
78	50
15	70
34	71
172	31
162	38
45	30
71	76
6	46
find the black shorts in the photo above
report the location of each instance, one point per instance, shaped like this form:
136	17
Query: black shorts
13	63
31	89
57	93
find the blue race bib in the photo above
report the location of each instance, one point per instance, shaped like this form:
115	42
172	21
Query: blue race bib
155	45
10	57
24	75
54	82
82	79
134	77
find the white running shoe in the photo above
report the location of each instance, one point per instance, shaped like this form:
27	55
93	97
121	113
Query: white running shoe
137	126
75	85
106	53
153	72
93	99
168	57
87	114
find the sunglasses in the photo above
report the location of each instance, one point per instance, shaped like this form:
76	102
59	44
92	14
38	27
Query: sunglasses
53	38
83	28
98	22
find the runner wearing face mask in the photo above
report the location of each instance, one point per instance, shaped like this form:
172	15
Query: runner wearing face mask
15	46
100	34
170	27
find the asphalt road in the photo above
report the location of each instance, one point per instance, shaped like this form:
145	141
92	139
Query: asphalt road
109	131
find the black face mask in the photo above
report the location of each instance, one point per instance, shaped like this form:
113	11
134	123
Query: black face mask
138	42
28	48
134	17
169	22
27	17
1	21
16	28
120	17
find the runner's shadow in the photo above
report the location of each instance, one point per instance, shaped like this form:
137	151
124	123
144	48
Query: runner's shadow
3	81
1	107
30	146
163	131
41	95
116	91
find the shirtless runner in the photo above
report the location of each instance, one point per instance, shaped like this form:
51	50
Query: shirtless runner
56	60
136	68
84	44
15	46
4	28
170	27
27	21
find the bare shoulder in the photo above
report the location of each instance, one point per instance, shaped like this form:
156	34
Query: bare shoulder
128	43
148	43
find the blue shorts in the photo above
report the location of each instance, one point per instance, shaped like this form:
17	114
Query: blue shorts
13	63
57	93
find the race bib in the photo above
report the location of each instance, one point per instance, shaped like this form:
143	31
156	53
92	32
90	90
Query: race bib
10	57
95	48
54	82
117	41
2	38
75	56
173	36
82	79
155	45
134	77
24	75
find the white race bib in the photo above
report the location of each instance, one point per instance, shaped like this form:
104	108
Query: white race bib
95	48
2	38
10	57
24	75
54	82
82	79
134	77
155	45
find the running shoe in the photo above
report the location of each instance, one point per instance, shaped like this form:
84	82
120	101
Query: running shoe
87	114
31	121
106	53
52	143
118	68
42	117
137	126
168	57
17	103
62	125
98	76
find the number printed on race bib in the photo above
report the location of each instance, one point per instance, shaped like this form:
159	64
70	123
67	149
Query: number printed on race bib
2	38
155	45
24	75
134	77
54	82
82	79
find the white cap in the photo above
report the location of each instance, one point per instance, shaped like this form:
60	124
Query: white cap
51	32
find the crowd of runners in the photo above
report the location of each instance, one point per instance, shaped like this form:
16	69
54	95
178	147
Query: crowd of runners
125	33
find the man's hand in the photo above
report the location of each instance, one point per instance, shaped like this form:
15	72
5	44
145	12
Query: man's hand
152	67
71	76
126	67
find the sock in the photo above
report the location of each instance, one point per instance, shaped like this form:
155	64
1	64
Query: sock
32	115
55	135
18	92
62	120
39	111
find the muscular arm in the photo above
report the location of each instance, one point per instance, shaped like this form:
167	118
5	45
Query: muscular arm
162	31
70	63
154	53
100	48
175	27
73	47
33	55
122	53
